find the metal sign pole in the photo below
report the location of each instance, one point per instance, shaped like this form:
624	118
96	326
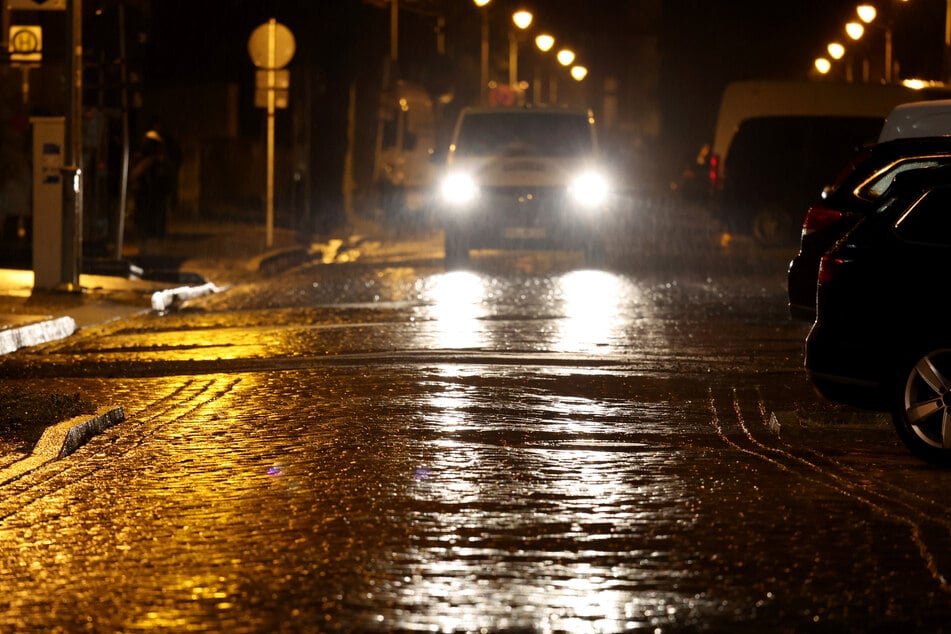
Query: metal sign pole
72	164
271	47
270	165
124	167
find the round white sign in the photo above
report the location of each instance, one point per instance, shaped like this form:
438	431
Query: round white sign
271	45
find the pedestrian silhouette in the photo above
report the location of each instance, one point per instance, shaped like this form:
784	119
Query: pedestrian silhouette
151	186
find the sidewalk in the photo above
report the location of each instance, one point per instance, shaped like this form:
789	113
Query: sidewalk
195	258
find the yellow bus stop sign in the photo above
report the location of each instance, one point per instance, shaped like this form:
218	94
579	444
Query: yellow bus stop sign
26	44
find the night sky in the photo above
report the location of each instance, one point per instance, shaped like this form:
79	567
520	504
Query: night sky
703	44
710	43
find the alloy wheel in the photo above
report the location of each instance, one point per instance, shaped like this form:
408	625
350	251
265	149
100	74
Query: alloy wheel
924	417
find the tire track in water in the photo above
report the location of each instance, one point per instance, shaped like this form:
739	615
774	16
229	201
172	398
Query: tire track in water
897	505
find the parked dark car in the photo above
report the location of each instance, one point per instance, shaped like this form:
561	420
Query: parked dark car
856	192
881	339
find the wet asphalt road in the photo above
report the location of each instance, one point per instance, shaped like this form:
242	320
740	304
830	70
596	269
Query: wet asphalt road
522	446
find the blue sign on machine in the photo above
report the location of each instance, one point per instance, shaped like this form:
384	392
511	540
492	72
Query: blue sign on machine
52	162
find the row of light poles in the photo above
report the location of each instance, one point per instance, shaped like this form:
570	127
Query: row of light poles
855	30
522	20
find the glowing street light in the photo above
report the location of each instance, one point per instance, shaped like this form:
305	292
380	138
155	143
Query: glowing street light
544	42
522	19
866	13
823	65
565	57
579	72
855	30
836	50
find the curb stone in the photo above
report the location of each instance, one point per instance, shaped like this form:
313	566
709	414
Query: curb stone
79	434
162	300
13	339
62	439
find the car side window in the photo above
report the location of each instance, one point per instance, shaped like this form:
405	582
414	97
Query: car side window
929	220
874	188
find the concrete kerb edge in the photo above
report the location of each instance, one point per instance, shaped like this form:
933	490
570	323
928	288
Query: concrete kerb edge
165	299
79	434
13	339
62	439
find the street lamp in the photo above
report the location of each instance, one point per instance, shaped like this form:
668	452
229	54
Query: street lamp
565	57
855	30
484	52
544	42
866	13
835	51
578	73
522	20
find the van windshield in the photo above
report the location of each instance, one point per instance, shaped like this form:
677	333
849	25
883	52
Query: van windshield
524	133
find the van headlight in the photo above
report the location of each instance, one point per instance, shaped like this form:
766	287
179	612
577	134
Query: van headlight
590	189
458	189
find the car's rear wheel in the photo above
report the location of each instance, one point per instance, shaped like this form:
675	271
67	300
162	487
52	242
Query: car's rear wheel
923	414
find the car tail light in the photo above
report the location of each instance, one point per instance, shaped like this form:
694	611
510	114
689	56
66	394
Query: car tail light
713	174
818	218
829	267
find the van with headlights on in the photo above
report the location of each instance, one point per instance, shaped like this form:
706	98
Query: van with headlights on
523	178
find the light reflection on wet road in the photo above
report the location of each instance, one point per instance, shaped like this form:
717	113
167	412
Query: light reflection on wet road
427	451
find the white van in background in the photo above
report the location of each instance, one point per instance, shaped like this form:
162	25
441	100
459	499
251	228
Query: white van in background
918	119
778	143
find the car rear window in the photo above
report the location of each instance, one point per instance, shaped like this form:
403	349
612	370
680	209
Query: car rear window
548	134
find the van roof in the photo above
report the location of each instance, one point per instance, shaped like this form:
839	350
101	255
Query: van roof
771	98
918	119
